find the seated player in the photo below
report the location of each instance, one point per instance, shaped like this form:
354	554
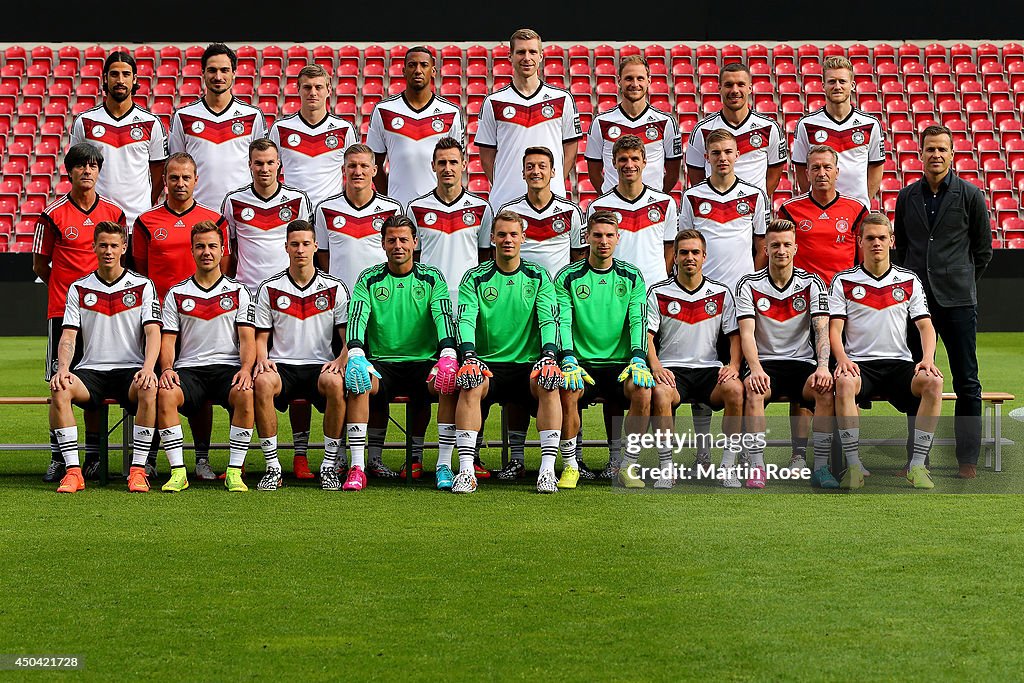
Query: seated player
114	309
209	317
301	310
602	308
778	308
685	316
400	319
508	330
869	307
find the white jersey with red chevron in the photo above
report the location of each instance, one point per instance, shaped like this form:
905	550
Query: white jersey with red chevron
110	317
658	130
302	320
451	234
876	310
645	224
728	220
759	141
219	142
782	316
510	122
258	227
551	231
857	139
687	323
408	136
352	233
313	155
206	321
130	143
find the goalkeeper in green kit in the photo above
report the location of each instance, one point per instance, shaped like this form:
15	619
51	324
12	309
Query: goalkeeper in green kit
508	320
603	334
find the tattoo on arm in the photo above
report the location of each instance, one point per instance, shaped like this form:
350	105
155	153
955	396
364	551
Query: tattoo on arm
821	340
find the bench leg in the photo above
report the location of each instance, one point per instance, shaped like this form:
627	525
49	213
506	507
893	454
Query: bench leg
504	437
408	447
997	409
986	431
104	445
127	428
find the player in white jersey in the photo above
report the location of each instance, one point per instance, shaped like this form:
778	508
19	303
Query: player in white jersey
258	216
348	225
132	140
526	113
453	224
761	146
118	315
207	354
305	311
634	115
730	213
853	134
869	307
312	141
553	225
778	308
685	316
404	129
217	129
648	218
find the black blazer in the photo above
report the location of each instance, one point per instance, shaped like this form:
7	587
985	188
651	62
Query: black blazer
949	258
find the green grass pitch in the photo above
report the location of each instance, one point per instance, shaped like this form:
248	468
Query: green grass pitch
413	584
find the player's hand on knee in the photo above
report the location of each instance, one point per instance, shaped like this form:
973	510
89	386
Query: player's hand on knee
358	371
144	379
547	373
846	368
638	371
758	382
472	373
61	381
242	381
444	372
928	367
169	379
574	375
821	380
265	365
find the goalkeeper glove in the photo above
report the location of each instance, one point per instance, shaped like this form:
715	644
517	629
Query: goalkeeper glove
472	373
641	374
574	375
444	371
358	371
546	372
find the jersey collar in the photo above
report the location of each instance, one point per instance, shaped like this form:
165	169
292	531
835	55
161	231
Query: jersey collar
646	108
360	208
880	277
124	271
643	193
412	108
89	210
175	213
541	209
696	289
257	195
122	116
452	202
725	121
823	206
211	287
221	112
735	182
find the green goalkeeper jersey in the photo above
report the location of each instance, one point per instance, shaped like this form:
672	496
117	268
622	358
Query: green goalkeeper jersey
507	317
602	313
396	318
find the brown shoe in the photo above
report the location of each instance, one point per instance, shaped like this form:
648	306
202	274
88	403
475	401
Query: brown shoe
968	470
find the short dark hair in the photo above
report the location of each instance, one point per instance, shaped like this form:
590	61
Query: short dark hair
214	49
538	149
780	225
398	221
934	130
299	225
628	142
203	227
120	56
603	217
733	67
262	145
110	228
419	48
81	154
448	142
689	234
181	156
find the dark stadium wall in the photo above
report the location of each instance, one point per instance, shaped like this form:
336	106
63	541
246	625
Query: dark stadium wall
998	307
404	22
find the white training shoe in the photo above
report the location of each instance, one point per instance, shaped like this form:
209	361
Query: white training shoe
547	482
666	483
464	482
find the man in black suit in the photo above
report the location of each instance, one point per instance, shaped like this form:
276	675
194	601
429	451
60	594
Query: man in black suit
943	235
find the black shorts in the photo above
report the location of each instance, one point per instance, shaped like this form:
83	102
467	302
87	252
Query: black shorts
606	386
202	384
890	380
299	382
55	328
696	384
510	385
788	379
104	384
405	378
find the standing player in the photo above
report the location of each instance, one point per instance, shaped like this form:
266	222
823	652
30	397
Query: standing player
634	115
132	139
855	135
602	326
207	352
405	128
553	225
217	129
778	309
826	221
312	141
400	319
302	309
526	113
870	306
118	315
62	252
685	316
760	145
162	250
508	318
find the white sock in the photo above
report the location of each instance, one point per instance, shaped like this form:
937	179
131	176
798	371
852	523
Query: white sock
465	440
922	444
268	444
445	443
331	447
822	448
238	445
729	455
567	447
756	452
549	447
142	437
850	439
173	441
357	444
67	444
702	415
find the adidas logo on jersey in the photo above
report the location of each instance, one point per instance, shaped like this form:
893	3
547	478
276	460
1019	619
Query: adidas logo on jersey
856	121
321	286
436	111
224	288
87	221
509	283
330	124
708	291
135	118
823	216
603	282
467	203
180	224
236	113
400	286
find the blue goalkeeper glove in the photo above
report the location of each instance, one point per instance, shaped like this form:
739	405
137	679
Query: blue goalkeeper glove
358	371
574	374
641	374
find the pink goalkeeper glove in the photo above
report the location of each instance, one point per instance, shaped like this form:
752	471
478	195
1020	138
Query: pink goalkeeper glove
443	372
